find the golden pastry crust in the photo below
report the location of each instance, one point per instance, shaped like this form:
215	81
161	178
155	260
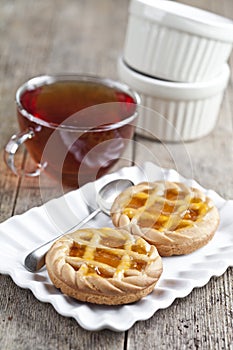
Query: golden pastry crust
177	219
104	266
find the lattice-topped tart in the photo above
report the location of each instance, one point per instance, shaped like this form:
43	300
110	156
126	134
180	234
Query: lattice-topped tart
177	219
104	266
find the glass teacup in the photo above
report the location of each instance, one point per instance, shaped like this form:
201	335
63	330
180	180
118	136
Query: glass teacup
74	127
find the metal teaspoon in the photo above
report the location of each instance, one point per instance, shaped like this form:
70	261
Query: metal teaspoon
35	260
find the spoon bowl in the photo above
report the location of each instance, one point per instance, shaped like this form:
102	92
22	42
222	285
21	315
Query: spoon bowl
109	192
35	260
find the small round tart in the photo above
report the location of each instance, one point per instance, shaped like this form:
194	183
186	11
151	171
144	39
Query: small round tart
104	266
177	219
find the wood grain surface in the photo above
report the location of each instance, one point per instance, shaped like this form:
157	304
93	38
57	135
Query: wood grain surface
87	36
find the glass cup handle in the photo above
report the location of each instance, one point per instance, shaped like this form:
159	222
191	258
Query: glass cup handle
12	147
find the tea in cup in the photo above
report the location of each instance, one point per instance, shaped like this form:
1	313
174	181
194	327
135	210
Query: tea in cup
74	127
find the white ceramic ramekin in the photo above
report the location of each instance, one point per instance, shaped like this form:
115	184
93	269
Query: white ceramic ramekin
176	42
187	110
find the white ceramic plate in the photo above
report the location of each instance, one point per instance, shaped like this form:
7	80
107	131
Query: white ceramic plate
20	234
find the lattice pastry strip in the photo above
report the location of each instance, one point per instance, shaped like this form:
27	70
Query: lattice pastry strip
106	266
176	218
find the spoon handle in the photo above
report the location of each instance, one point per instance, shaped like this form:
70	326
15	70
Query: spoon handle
36	259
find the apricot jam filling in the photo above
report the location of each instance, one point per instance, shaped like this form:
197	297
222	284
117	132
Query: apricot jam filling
106	261
170	210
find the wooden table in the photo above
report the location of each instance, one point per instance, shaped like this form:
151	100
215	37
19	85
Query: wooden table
53	36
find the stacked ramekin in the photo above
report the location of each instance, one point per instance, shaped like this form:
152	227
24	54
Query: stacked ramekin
175	57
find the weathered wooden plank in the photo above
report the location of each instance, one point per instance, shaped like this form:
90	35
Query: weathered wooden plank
27	323
199	321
